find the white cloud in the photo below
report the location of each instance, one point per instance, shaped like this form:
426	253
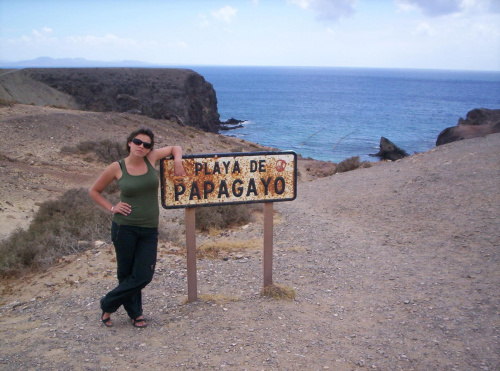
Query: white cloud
430	7
178	44
481	6
226	14
425	28
107	40
328	10
436	8
304	4
330	31
203	21
41	37
405	6
37	33
42	41
45	32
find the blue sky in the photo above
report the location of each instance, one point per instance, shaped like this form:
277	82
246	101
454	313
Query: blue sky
436	34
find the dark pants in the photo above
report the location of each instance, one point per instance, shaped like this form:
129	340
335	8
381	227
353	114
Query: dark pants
136	258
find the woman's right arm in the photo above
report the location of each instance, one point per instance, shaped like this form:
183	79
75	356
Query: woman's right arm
111	173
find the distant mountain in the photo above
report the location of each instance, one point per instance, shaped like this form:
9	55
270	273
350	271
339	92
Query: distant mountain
48	62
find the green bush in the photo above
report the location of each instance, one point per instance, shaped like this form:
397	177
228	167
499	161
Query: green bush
223	216
55	231
105	150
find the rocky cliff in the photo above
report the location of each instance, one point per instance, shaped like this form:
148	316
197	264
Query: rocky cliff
180	95
479	122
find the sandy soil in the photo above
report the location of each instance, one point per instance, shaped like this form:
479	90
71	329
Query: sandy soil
395	267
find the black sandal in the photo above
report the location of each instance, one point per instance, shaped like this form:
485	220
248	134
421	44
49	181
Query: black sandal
135	321
106	321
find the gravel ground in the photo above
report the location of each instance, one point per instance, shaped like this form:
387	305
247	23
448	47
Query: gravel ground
395	267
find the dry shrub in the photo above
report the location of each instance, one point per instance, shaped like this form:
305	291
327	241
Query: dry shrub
276	291
171	232
223	216
104	150
54	232
6	103
222	247
348	164
351	163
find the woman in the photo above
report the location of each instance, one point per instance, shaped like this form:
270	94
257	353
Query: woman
134	230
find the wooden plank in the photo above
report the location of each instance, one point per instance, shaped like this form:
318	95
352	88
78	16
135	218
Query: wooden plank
192	280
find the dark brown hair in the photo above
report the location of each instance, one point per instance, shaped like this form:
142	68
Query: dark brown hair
143	130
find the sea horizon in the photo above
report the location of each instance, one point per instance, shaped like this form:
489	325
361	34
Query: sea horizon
334	112
83	63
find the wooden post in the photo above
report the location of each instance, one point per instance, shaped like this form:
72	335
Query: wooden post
268	244
192	281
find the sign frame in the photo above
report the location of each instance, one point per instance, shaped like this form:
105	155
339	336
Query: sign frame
214	156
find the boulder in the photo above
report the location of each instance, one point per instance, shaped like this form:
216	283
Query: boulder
160	93
478	122
390	151
232	123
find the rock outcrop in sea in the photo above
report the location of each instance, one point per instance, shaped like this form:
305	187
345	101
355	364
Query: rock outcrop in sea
180	95
231	124
478	122
390	151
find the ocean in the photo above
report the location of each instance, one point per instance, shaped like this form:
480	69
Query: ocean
335	113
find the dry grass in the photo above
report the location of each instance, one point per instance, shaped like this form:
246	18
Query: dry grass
224	247
297	249
214	231
279	292
215	298
224	216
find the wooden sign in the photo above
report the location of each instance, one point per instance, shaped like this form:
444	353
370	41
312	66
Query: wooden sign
229	178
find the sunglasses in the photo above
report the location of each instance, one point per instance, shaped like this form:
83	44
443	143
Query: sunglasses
138	142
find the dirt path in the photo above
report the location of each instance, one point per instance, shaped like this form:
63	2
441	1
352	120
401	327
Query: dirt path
396	267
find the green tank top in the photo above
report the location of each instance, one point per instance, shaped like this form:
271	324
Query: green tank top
141	193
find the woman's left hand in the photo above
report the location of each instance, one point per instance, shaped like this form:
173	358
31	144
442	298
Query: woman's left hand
179	169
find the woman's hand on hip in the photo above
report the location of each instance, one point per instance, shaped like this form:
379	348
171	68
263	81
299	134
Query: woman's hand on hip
122	208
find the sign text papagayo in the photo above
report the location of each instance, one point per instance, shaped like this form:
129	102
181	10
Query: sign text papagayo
230	178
